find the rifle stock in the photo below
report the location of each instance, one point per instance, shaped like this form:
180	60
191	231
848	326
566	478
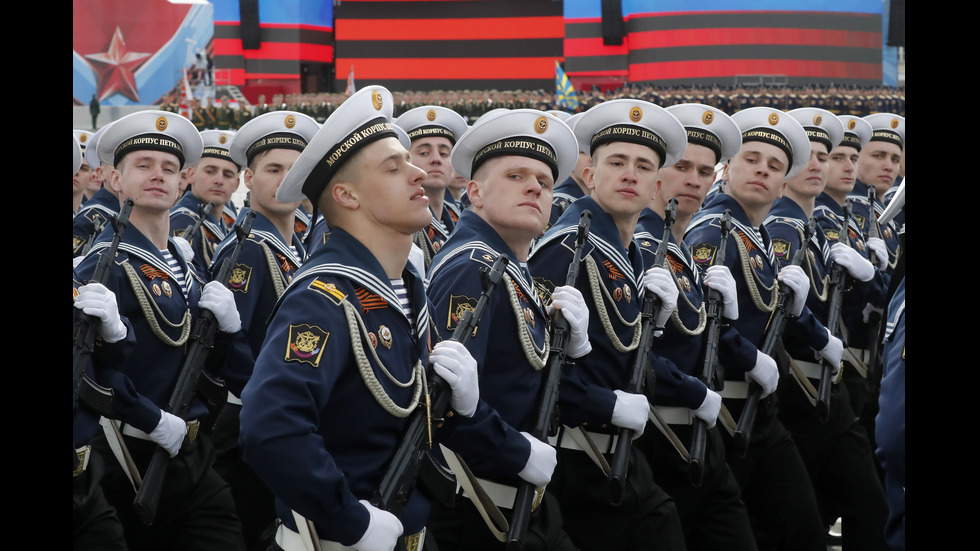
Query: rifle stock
699	432
619	463
201	339
773	336
544	415
191	230
400	475
835	303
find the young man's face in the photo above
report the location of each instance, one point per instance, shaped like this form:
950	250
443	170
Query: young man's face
879	165
150	178
756	175
388	187
688	180
513	194
432	156
811	181
80	180
214	180
263	178
623	177
843	162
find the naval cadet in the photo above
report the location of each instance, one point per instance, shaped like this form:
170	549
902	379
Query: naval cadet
879	166
629	142
94	215
572	187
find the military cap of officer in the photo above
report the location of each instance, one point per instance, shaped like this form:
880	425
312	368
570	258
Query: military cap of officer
84	138
216	144
76	154
820	125
152	130
524	132
635	121
857	131
361	119
775	127
429	121
272	130
709	127
91	152
887	127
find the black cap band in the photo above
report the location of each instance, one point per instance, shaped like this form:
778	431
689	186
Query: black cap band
632	134
218	153
277	140
524	146
321	174
819	135
432	132
773	138
154	142
700	136
887	136
851	140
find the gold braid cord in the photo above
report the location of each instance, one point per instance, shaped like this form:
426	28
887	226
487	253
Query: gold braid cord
750	280
359	333
599	295
152	312
536	356
810	260
702	314
278	282
423	243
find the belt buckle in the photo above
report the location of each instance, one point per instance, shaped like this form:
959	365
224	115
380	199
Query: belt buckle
192	428
82	454
538	497
413	542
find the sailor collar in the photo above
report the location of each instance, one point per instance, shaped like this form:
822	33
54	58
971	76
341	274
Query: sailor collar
263	231
191	205
135	244
713	212
651	227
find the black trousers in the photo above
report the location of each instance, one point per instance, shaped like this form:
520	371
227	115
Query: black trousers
95	524
195	511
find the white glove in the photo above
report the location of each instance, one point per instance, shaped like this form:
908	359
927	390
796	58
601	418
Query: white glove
185	248
220	300
75	261
382	532
870	309
765	373
417	258
877	246
658	281
859	267
169	433
796	279
96	300
631	412
709	409
719	278
573	308
453	362
540	464
833	352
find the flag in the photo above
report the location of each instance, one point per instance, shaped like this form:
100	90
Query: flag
350	82
564	89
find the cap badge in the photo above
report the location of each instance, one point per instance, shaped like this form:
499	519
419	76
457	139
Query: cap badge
290	121
376	100
223	139
817	120
541	125
851	124
708	117
774	119
894	123
636	114
161	123
431	115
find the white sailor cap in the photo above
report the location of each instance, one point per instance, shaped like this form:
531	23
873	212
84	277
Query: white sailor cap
709	127
151	130
217	144
272	130
635	121
524	132
887	127
857	131
820	125
76	154
402	136
772	126
563	115
84	138
91	153
361	119
428	121
490	114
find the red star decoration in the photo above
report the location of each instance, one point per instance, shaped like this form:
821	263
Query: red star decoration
115	67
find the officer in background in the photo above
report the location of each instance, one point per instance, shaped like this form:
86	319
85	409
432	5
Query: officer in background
103	205
214	178
433	131
511	164
158	292
712	512
267	146
774	481
344	361
629	142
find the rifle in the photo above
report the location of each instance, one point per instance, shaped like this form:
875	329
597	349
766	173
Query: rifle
834	304
773	336
651	306
201	342
699	432
87	326
544	418
191	230
400	476
97	227
874	317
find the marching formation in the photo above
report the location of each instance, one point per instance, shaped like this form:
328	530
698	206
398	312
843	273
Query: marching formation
634	327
